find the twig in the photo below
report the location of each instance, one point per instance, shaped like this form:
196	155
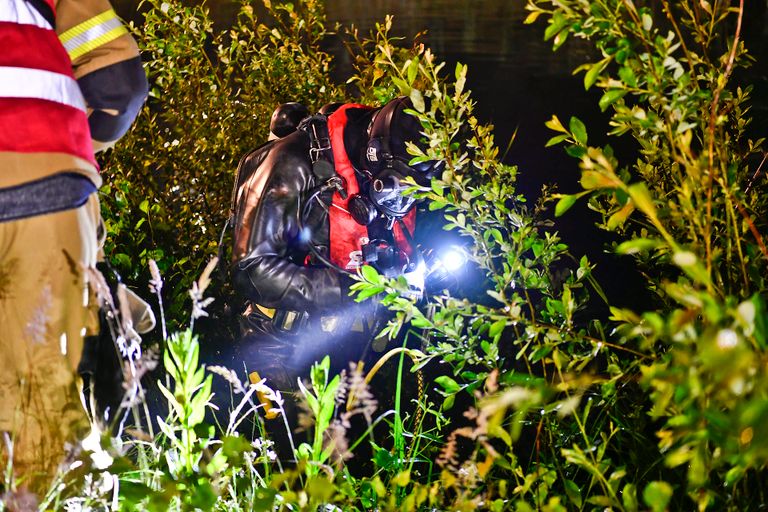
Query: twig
753	229
712	119
757	172
671	18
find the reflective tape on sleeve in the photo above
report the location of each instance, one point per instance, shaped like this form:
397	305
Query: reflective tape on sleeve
92	33
42	85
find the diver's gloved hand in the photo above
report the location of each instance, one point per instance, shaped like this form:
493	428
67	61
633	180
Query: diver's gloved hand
444	270
416	284
440	282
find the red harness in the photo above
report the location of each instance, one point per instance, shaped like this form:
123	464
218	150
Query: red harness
346	236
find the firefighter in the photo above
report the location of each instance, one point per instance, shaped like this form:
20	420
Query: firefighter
71	83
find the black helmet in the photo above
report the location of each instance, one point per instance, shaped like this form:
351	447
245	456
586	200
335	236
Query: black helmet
390	129
387	160
286	118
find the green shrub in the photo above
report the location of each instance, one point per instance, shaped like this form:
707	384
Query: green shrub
169	181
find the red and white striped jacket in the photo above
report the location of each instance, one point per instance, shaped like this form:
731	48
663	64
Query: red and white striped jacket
47	47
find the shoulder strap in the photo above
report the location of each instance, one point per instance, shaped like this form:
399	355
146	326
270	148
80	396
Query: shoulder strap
320	152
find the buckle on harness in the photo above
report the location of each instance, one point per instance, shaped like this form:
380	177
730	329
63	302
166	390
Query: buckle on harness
319	139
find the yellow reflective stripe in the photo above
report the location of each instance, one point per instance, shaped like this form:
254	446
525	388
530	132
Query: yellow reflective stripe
95	43
270	312
92	33
87	24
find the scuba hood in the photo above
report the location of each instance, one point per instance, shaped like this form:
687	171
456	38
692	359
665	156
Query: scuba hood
387	159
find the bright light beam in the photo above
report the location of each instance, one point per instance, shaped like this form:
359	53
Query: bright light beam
453	259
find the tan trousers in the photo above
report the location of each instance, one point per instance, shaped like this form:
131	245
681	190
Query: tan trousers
45	310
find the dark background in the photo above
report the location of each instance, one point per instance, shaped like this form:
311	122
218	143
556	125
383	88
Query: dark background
519	83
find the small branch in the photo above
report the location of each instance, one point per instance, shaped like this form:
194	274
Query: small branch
712	120
757	172
672	20
753	229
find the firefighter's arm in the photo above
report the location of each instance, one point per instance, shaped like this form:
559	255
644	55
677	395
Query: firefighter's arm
106	64
266	274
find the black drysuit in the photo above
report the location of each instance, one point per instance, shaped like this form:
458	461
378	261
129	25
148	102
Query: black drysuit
297	310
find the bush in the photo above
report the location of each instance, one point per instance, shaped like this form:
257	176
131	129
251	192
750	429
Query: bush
657	409
169	181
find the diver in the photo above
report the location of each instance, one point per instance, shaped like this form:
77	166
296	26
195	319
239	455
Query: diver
309	208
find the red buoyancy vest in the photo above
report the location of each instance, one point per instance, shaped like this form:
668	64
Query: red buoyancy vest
346	236
41	107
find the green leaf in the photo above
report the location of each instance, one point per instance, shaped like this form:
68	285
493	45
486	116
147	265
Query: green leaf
610	97
600	500
167	429
317	487
369	291
573	492
263	499
203	496
557	139
734	475
599	179
761	322
496	328
532	17
629	497
436	205
370	274
642	199
133	491
402	479
578	130
637	245
657	495
619	217
177	408
461	77
402	85
556	125
449	385
692	266
199	402
647	21
368	496
413	71
566	202
420	322
384	460
122	260
628	76
556	24
590	77
576	151
311	400
417	99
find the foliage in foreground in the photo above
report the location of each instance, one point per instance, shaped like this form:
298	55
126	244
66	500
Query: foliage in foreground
647	410
169	182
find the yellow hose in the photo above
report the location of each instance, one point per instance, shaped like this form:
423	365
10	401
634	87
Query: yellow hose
413	354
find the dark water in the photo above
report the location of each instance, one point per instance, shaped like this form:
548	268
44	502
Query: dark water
519	83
